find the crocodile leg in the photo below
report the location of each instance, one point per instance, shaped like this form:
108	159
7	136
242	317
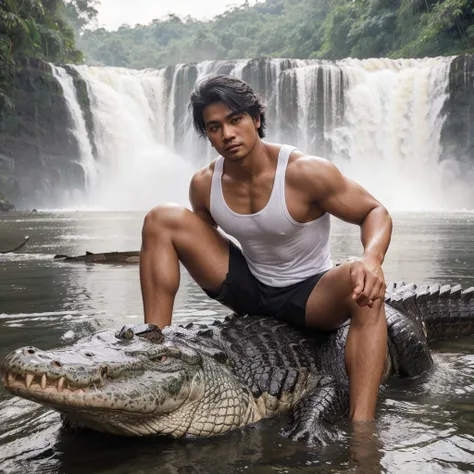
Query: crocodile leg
408	344
315	413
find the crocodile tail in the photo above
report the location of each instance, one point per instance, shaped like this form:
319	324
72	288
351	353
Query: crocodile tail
442	311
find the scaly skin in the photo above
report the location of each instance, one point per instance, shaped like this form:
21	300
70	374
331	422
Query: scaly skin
204	380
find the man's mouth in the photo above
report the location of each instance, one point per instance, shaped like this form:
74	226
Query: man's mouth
232	148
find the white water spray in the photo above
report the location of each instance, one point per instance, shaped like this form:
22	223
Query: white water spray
79	128
379	120
136	168
392	128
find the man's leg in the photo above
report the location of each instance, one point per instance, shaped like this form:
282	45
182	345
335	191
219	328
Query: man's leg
173	234
330	304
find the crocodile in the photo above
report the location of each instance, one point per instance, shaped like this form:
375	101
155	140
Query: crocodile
203	380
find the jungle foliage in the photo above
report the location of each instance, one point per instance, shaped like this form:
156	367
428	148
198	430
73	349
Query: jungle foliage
327	29
57	31
40	29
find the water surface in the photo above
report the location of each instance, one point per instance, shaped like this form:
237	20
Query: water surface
422	426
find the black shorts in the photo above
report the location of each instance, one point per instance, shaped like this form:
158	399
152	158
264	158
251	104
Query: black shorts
244	294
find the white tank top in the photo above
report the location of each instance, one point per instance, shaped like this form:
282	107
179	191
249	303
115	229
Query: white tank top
279	250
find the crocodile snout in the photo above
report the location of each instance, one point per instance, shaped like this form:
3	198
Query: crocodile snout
33	369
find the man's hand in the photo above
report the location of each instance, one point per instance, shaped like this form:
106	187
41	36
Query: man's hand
368	281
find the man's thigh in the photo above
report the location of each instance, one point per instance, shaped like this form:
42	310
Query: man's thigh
329	303
200	247
205	255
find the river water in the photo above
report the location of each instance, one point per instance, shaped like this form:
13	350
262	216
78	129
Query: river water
424	426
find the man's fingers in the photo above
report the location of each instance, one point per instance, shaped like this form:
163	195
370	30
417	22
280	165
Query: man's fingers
368	286
363	301
376	292
358	280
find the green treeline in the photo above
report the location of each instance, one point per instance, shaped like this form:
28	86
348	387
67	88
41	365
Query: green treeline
327	29
38	29
57	31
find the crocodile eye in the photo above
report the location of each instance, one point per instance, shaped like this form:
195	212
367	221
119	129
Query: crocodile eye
158	358
104	372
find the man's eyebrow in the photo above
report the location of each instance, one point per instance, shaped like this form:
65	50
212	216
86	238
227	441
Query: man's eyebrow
232	114
227	117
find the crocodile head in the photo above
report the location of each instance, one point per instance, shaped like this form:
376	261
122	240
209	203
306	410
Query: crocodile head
134	382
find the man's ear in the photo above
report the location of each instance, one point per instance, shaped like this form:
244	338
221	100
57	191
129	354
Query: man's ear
257	121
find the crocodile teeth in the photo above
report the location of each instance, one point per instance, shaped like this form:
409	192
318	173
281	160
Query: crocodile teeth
29	380
11	378
60	384
43	382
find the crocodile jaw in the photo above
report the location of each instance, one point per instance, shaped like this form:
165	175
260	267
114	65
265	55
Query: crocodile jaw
211	403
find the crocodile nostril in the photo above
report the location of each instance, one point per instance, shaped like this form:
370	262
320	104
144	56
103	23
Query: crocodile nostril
29	351
56	363
89	354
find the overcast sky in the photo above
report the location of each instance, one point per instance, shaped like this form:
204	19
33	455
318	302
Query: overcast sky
113	13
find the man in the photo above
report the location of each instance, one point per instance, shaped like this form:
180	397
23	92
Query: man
275	201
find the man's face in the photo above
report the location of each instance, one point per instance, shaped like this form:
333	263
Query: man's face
232	134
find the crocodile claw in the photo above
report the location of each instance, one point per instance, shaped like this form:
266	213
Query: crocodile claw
312	434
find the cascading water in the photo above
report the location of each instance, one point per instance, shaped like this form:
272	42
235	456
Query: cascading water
136	169
391	131
79	129
379	120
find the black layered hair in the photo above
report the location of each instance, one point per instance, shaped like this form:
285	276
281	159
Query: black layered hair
235	94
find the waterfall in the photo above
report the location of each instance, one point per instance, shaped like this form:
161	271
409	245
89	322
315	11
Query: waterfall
391	131
136	168
79	129
378	120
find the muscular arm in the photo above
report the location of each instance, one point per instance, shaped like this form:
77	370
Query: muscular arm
350	202
347	200
200	192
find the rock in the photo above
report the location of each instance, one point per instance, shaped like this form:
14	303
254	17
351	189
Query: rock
5	205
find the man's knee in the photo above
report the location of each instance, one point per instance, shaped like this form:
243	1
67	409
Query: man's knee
164	217
365	315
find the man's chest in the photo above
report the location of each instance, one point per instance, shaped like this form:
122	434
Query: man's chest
248	197
254	197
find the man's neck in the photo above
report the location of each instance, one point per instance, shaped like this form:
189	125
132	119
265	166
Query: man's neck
256	162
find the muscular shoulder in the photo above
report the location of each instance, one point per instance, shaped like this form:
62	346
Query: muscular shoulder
202	179
200	191
313	175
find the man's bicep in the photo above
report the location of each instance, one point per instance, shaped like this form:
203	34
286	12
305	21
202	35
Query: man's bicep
346	199
197	198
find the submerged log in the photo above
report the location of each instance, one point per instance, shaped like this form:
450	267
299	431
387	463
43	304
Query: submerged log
18	247
106	257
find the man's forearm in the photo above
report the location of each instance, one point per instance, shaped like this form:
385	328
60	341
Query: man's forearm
376	232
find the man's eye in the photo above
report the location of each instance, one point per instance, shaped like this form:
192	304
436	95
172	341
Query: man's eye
236	120
214	128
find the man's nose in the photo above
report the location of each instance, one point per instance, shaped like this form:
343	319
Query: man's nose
228	132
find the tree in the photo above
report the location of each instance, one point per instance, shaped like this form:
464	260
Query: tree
443	27
81	13
330	29
32	29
